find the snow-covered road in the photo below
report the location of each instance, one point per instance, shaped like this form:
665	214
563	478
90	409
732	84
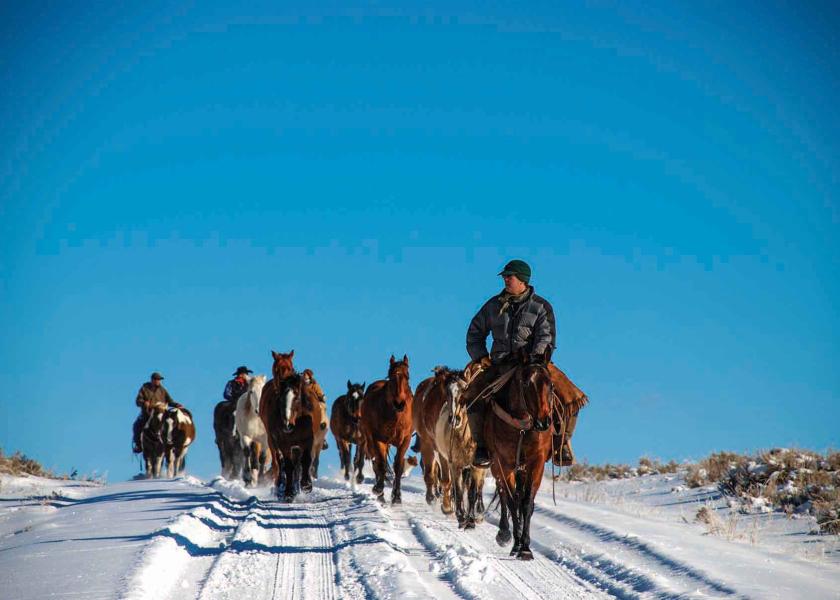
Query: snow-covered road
184	539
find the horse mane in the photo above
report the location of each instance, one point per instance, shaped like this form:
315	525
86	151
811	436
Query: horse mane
446	374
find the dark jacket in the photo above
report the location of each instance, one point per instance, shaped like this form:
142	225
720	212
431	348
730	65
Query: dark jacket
150	396
235	388
527	324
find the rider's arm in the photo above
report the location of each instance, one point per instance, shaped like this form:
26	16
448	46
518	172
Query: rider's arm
545	334
477	334
140	400
229	390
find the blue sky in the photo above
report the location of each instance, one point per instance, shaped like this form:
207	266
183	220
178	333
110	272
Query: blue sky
186	189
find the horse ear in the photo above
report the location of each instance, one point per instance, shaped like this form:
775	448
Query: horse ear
273	355
405	359
292	354
547	354
392	360
364	385
349	385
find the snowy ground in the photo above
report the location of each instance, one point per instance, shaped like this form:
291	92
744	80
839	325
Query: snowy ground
184	538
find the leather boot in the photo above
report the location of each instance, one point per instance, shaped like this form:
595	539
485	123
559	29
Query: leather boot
563	455
481	458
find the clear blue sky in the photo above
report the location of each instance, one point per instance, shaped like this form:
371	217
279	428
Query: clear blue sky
185	189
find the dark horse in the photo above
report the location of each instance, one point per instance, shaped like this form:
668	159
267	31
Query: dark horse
344	423
280	370
517	428
290	425
152	441
386	421
227	439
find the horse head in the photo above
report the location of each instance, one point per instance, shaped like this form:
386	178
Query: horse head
295	400
398	387
452	385
534	389
255	388
355	393
282	367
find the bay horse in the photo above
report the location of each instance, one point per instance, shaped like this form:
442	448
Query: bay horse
424	417
227	439
518	430
321	420
178	434
251	430
386	421
344	424
282	368
152	442
290	420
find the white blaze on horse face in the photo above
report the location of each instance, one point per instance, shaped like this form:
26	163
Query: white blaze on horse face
290	397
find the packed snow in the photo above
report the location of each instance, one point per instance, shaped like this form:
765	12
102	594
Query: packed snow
641	537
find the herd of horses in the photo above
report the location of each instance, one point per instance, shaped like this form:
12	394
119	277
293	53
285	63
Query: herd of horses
279	422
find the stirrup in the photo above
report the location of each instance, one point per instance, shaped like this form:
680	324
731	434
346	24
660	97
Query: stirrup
481	459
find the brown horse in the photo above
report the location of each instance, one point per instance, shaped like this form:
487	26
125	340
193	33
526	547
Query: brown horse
386	421
424	416
292	417
344	423
517	428
280	370
322	420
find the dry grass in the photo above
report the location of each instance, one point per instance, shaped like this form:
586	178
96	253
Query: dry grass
647	466
795	481
20	464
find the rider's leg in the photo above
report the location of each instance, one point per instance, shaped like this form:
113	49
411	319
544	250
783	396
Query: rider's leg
476	412
137	427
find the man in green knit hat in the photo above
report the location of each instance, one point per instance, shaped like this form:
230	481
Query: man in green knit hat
517	318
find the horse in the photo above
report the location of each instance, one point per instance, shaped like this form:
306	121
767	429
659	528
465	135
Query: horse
432	475
518	430
344	423
251	431
386	421
227	439
178	434
151	440
320	420
280	370
290	425
455	446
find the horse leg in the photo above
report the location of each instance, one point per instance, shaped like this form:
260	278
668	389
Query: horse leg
306	469
457	477
516	513
527	508
158	465
359	463
503	536
380	458
279	472
471	483
289	487
170	462
479	476
399	467
427	453
445	486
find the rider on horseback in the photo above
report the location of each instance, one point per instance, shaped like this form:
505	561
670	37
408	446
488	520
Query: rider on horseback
152	394
238	385
517	318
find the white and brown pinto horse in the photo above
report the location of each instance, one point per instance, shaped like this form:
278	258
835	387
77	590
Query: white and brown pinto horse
251	429
178	434
386	421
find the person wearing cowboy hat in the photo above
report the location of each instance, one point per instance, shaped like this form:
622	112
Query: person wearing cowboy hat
238	385
152	394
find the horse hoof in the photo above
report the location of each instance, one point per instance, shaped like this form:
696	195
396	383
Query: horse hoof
525	555
395	501
503	538
515	550
306	488
461	524
430	499
346	477
360	478
469	525
447	510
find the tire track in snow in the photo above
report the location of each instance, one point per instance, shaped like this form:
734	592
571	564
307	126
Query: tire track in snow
629	572
474	562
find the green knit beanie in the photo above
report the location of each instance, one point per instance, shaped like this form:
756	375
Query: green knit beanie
519	268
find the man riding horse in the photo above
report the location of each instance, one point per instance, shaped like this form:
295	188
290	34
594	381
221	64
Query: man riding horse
238	385
152	394
517	318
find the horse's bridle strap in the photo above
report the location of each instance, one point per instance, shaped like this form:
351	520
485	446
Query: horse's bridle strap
525	424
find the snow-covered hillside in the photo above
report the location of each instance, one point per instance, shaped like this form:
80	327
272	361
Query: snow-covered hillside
183	538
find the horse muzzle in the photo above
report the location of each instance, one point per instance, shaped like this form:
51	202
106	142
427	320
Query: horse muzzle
542	424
